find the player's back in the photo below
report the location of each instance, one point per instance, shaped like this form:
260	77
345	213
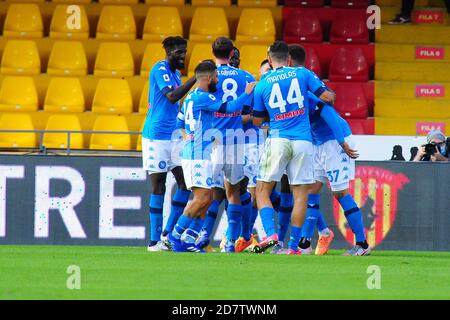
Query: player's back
161	117
283	93
198	120
320	130
231	85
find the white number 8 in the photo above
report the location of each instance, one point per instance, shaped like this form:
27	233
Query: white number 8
229	92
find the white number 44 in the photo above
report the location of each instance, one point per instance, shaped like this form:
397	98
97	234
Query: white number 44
294	96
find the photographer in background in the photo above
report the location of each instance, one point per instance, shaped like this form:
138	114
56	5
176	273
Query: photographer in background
436	149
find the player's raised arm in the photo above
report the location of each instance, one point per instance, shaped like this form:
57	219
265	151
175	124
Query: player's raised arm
260	114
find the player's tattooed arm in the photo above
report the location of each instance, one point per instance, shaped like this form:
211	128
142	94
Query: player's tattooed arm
328	96
178	93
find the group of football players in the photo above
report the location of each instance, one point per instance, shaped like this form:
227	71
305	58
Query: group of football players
233	139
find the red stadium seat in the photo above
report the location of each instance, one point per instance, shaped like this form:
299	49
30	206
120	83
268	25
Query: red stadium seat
350	3
349	64
349	26
312	62
350	101
362	126
304	3
304	27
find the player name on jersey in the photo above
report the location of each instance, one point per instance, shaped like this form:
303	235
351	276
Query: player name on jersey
281	76
430	53
430	91
428	16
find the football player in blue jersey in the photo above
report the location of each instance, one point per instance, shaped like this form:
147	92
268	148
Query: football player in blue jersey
281	98
334	162
228	151
196	118
235	60
161	144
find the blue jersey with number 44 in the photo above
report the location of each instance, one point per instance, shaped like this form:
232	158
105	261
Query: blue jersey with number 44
282	95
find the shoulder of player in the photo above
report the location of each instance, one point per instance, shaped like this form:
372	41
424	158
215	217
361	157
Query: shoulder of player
159	66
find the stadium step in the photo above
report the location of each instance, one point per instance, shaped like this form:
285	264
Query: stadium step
413	34
412	108
390	52
409	126
419	71
412	90
398	3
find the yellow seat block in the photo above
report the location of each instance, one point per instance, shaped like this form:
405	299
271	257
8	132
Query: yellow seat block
67	122
251	58
110	141
165	2
67	58
412	108
162	22
403	126
412	90
18	94
143	102
65	25
20	57
114	59
257	3
390	52
413	34
256	25
64	95
23	20
17	121
419	71
203	28
112	96
201	51
24	1
212	3
116	23
154	53
118	1
73	1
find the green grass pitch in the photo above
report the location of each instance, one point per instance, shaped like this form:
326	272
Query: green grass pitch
40	272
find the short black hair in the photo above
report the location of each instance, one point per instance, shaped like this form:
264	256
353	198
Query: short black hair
279	51
205	67
298	54
222	47
264	62
171	42
237	50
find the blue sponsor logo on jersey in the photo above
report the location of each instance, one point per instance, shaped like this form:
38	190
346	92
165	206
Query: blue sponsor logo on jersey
162	164
254	179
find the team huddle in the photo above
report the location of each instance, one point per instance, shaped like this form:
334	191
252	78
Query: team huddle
233	139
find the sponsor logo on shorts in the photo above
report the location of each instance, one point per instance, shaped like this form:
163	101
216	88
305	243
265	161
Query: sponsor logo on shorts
162	164
291	114
209	181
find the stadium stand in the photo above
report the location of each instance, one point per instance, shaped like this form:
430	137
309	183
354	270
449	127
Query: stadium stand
162	22
20	57
17	121
64	95
116	23
112	96
67	58
256	26
205	29
114	59
60	29
60	140
110	141
18	94
23	20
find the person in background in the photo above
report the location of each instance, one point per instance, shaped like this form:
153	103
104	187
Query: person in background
407	8
436	149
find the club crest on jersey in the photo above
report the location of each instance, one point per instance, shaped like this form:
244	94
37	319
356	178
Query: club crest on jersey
209	181
375	191
162	164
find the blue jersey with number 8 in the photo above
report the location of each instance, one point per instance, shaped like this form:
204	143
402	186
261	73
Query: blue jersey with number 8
282	95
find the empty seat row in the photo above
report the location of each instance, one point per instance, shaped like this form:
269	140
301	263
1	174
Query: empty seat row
117	23
19	94
333	3
346	27
69	122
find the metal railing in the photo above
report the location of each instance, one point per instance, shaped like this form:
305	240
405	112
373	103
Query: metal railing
42	149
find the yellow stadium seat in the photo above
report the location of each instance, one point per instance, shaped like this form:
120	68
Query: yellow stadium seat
65	24
203	28
112	96
165	2
17	121
114	59
201	51
110	141
23	20
116	23
256	26
154	53
143	102
18	94
162	22
257	3
64	94
73	1
213	3
67	58
24	1
20	57
118	1
251	58
67	122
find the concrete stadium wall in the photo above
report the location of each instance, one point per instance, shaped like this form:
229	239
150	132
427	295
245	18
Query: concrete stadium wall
104	201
